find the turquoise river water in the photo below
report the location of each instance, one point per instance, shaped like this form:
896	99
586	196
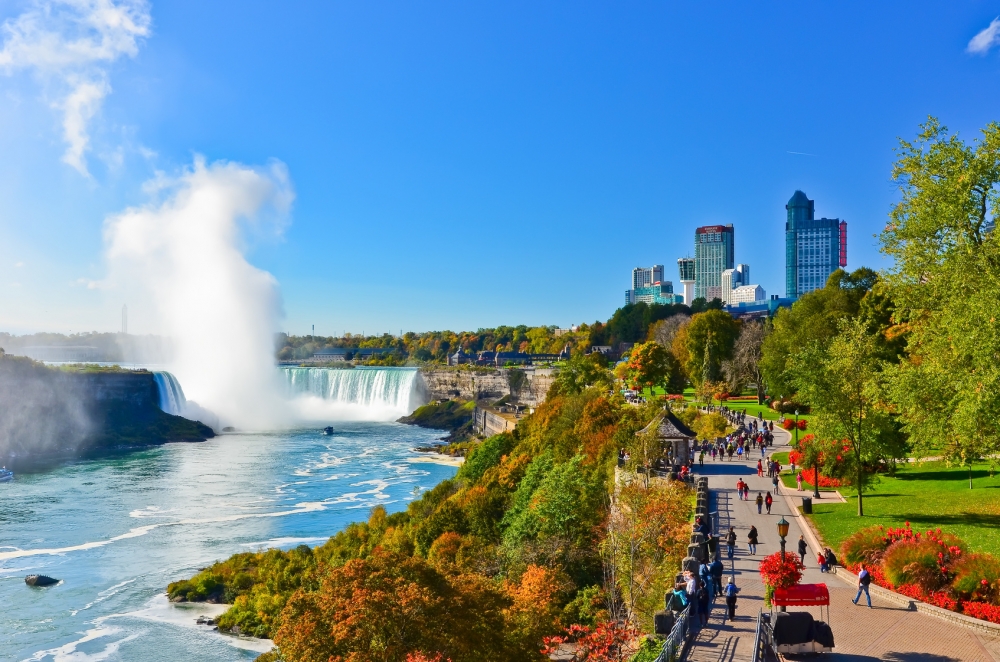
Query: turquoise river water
117	530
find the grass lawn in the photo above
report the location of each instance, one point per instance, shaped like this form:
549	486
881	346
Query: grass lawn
929	495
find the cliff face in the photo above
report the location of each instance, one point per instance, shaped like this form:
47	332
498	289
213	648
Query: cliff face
527	386
51	413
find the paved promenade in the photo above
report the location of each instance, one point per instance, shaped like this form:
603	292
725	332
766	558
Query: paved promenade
885	632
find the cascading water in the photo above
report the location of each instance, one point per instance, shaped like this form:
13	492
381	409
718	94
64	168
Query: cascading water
359	393
172	399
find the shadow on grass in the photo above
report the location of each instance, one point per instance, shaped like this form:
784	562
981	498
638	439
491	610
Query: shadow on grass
954	475
967	519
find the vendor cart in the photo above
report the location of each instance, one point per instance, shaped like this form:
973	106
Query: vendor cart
797	632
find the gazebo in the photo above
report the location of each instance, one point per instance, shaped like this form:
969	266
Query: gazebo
674	436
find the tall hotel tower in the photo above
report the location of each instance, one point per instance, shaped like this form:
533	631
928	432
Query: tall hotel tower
713	254
685	266
814	248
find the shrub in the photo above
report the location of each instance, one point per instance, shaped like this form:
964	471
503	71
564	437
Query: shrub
922	560
865	546
977	578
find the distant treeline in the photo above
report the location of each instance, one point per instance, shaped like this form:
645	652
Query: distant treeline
88	346
628	324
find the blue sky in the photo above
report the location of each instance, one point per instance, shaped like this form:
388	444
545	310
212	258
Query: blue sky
462	165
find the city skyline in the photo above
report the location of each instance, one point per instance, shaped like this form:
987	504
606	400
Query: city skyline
415	152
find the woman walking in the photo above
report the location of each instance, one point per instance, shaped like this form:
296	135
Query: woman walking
731	542
760	469
768	500
798	480
752	540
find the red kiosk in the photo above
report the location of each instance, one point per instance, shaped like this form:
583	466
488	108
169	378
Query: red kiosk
798	632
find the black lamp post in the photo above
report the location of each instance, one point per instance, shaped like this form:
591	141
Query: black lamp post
782	532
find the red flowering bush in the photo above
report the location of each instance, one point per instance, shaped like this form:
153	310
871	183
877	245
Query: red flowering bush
788	424
778	572
982	610
608	642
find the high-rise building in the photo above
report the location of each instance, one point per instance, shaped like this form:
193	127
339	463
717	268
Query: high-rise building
814	248
662	293
713	254
646	276
686	267
737	278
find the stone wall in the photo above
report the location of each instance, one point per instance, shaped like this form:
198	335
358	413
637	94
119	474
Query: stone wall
489	385
489	423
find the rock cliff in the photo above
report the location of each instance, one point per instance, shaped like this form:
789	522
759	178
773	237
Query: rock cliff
528	386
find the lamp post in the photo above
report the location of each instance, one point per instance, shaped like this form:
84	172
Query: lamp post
782	532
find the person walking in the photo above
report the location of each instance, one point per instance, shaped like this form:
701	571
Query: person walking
731	543
864	581
774	481
802	549
798	480
760	502
701	458
760	469
823	565
705	575
752	540
768	500
730	593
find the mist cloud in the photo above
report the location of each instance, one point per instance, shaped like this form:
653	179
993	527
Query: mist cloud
69	45
184	251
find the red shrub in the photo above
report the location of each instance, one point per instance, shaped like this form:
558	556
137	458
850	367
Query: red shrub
982	610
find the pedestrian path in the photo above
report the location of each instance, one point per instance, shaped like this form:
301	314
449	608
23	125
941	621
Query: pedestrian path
887	631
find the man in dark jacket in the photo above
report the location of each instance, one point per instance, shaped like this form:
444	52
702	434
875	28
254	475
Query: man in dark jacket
802	549
717	569
730	592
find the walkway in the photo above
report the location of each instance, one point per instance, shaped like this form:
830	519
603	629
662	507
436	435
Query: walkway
885	632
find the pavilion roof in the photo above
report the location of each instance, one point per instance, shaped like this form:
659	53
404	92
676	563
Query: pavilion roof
669	426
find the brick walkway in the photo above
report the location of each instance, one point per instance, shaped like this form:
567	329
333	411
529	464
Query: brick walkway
885	632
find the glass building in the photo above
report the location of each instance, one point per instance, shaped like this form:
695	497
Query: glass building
814	248
662	293
713	254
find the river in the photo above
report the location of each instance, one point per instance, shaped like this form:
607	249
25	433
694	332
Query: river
117	530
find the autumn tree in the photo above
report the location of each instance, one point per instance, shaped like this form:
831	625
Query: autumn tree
709	340
650	365
747	356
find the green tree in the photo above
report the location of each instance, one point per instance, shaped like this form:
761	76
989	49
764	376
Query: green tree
812	318
844	384
944	285
709	338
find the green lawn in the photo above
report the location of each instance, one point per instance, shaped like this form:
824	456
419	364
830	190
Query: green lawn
929	495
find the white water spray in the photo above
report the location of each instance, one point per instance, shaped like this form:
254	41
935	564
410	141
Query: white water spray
184	254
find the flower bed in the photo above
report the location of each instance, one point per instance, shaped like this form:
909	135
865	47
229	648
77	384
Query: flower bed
932	567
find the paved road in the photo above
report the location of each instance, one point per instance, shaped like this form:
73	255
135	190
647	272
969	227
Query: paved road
885	632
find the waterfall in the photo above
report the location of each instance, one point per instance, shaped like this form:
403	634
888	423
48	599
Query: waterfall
172	399
365	393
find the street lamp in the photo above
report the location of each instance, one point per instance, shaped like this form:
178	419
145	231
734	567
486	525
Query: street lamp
782	532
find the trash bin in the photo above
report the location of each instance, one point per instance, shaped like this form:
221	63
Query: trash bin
807	505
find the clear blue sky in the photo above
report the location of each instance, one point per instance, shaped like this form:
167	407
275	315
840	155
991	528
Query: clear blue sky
462	165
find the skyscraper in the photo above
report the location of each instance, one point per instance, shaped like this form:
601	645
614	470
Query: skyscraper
814	248
713	254
646	276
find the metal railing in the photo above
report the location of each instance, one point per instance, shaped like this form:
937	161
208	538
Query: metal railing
762	640
673	647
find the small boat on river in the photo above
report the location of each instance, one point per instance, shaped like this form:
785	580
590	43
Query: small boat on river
6	475
328	430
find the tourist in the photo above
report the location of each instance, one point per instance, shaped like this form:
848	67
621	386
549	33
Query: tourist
864	580
831	558
802	549
760	501
717	570
821	560
752	539
730	594
760	469
703	605
798	480
731	542
774	480
705	576
768	500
